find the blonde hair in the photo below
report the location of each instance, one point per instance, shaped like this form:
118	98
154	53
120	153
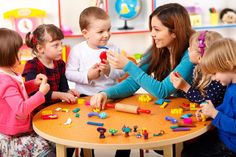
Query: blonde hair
201	81
220	57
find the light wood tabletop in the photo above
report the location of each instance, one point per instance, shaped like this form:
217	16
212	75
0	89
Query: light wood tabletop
81	135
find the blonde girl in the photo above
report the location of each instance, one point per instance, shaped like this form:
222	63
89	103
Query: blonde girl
203	88
219	62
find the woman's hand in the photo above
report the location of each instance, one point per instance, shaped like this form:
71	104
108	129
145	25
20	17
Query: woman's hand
116	60
99	100
40	78
178	82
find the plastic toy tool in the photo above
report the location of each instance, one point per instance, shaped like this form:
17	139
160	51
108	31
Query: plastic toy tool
103	54
127	108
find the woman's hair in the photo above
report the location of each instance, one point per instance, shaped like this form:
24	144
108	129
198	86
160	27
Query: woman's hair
38	37
89	14
220	57
175	17
10	43
200	42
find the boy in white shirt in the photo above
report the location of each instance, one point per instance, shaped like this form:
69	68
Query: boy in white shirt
84	66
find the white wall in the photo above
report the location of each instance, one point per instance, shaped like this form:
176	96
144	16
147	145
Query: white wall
131	43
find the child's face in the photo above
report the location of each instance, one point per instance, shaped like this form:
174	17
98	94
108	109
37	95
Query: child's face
53	50
98	33
194	55
224	78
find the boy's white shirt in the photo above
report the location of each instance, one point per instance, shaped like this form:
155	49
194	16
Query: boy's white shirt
80	60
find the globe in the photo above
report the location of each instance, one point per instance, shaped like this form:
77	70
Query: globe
127	10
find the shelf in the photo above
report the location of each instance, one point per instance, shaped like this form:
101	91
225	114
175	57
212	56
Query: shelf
215	26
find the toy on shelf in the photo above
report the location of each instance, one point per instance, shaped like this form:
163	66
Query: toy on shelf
214	16
228	15
25	20
127	108
127	10
195	15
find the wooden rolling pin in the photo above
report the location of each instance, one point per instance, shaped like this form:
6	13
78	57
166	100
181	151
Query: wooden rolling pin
127	108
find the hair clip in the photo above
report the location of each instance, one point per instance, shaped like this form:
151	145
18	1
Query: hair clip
34	39
201	42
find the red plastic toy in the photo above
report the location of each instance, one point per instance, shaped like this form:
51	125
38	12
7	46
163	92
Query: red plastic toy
103	56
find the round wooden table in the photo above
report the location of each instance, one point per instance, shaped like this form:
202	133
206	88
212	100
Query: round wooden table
80	134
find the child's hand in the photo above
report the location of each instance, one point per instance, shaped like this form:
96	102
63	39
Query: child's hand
74	92
44	87
208	109
99	100
178	82
39	78
116	60
105	67
68	97
94	72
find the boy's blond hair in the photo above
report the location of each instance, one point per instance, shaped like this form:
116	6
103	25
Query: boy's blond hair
220	57
89	14
201	81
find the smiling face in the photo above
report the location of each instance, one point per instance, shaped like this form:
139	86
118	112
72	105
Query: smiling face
98	32
161	34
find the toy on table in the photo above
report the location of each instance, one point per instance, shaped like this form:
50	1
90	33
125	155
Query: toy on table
48	114
95	123
68	122
102	115
102	131
126	130
181	129
113	131
135	128
160	133
103	54
145	134
161	101
173	120
144	98
127	108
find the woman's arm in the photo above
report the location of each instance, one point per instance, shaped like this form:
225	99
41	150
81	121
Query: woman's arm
160	89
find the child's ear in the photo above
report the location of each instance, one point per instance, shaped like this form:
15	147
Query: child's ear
40	49
85	33
199	59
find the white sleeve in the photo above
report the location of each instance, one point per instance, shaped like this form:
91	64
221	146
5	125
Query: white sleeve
73	72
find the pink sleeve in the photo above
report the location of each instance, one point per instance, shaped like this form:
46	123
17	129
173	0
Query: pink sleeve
18	104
